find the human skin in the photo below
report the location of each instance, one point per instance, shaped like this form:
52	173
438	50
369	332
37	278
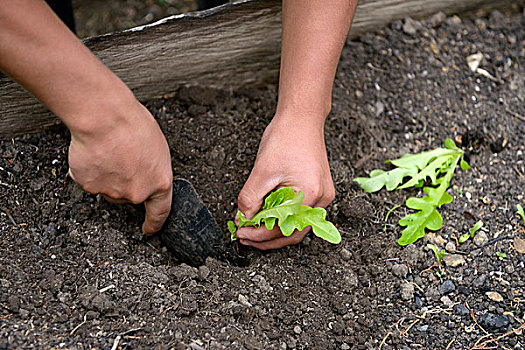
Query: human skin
116	147
292	151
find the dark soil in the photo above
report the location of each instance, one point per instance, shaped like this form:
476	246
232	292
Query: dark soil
75	272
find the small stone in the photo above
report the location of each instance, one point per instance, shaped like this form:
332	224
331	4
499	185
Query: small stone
346	254
460	309
434	238
203	273
494	296
479	282
432	294
400	270
437	19
407	291
292	343
411	26
24	313
418	302
451	247
454	20
493	322
454	260
480	239
464	290
519	245
345	346
244	300
447	287
358	94
297	330
446	301
13	303
423	328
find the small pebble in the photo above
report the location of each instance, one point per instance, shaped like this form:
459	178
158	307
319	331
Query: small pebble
494	296
297	330
480	239
447	287
400	270
345	254
493	322
519	245
407	291
244	300
454	260
451	247
446	301
461	310
423	328
479	282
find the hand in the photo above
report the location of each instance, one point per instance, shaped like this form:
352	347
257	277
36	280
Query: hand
127	161
291	153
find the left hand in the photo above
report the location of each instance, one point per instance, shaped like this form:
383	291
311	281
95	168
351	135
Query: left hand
292	153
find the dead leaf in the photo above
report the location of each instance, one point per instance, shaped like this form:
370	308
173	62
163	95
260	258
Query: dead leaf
519	245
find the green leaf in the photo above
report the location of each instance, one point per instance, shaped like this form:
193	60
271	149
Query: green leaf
233	230
449	144
501	256
278	196
439	254
427	217
464	165
281	211
521	212
315	217
475	228
284	208
379	179
464	237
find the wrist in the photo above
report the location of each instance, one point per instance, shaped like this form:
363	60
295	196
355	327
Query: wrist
101	113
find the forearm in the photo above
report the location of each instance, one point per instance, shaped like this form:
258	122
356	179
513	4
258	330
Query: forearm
38	51
314	32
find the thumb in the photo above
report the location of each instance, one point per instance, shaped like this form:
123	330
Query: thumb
157	210
257	186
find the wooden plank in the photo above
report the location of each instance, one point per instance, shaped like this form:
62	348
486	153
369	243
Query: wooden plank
227	47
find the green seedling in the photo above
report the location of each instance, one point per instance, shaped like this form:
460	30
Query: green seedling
439	254
438	165
501	256
284	208
388	215
521	212
464	237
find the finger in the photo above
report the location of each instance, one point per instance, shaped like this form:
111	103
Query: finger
70	174
157	210
277	243
256	187
259	234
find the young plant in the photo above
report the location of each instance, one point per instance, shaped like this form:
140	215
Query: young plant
284	208
439	254
464	237
438	165
501	256
521	212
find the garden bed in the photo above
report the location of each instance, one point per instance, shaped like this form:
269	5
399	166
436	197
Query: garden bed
75	271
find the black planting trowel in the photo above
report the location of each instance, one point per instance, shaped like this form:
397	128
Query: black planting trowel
190	231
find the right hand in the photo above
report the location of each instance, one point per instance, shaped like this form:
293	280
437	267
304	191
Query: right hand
127	161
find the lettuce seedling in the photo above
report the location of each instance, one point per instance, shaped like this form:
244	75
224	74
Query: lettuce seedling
438	165
284	208
521	212
464	237
440	255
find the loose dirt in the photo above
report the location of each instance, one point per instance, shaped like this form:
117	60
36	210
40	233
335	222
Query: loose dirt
76	273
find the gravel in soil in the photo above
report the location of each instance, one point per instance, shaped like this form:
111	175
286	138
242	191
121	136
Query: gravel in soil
76	273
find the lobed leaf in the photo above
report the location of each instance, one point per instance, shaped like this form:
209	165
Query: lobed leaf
314	217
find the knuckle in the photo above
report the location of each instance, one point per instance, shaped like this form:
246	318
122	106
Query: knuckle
246	200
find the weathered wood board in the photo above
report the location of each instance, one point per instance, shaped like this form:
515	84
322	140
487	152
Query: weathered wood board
230	46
